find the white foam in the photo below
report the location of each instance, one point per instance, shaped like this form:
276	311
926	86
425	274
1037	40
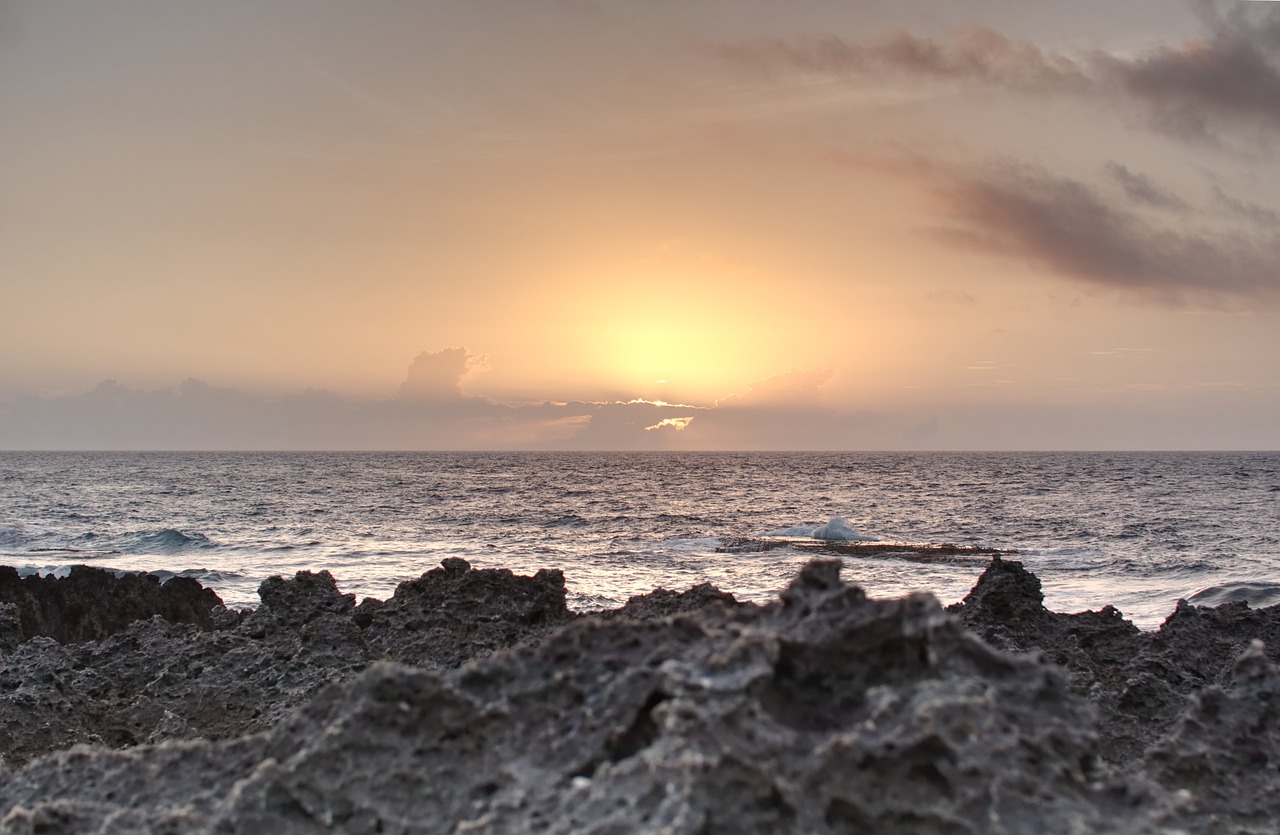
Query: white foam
802	530
836	530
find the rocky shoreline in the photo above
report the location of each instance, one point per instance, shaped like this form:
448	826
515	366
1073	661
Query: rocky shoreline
476	701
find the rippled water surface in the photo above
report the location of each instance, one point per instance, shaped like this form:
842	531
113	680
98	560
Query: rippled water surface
1138	530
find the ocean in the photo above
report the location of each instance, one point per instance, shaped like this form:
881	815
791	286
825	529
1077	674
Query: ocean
1135	530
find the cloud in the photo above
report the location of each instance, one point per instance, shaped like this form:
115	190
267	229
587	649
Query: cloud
438	375
792	388
1022	211
1231	74
1124	353
1142	189
194	415
974	53
783	411
1252	212
675	424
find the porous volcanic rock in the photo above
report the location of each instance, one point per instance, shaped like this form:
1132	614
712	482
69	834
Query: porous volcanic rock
454	613
88	604
823	712
1141	682
162	680
661	603
1224	754
826	712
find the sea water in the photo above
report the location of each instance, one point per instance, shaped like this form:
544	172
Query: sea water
1136	530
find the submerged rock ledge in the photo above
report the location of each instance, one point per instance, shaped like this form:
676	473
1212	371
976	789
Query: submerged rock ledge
473	700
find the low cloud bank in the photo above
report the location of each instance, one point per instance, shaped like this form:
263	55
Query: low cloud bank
784	412
430	411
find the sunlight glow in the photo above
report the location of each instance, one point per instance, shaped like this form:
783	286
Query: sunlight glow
676	423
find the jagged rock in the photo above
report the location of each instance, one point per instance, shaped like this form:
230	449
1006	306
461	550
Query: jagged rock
825	713
11	633
1006	605
289	604
1140	682
1225	752
89	603
662	603
159	680
453	613
1196	646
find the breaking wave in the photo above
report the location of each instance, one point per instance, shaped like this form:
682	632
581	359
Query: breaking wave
835	530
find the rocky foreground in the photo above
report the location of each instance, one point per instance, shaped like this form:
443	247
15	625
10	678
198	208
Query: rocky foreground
475	701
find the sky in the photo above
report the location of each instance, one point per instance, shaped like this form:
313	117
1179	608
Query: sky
669	224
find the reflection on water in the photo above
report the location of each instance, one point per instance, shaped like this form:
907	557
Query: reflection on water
1138	530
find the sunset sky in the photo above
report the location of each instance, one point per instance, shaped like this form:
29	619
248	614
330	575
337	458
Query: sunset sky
669	224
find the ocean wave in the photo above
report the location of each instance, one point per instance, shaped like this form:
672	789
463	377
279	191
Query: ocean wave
164	541
1257	595
13	536
835	530
205	576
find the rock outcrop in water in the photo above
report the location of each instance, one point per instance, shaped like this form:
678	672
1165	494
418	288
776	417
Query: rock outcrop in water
500	711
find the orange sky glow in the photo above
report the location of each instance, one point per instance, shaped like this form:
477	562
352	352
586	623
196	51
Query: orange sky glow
623	225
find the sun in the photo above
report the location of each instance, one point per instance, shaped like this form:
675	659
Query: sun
674	351
683	332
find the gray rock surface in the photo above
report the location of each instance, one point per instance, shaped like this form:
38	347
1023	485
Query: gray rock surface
1140	682
825	712
454	613
90	603
160	680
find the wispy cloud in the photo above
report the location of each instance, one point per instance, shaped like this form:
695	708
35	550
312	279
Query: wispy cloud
1123	353
973	53
1142	189
1022	211
1228	76
1252	212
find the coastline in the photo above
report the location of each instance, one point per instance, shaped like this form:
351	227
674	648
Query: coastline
475	700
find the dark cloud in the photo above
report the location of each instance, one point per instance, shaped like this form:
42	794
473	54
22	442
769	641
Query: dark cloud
1142	189
1025	212
1252	212
1230	75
